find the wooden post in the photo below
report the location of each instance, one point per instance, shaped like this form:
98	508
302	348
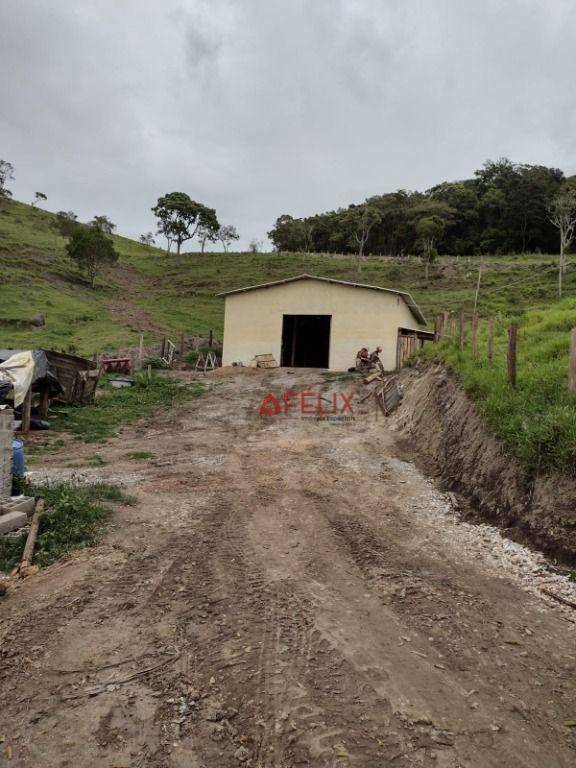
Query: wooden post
211	339
572	363
445	321
26	411
512	350
44	400
181	345
462	328
163	350
141	351
490	341
475	335
438	328
478	286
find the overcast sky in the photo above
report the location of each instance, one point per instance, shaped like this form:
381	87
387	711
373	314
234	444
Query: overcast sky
263	107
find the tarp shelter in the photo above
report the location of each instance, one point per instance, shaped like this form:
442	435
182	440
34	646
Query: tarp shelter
27	371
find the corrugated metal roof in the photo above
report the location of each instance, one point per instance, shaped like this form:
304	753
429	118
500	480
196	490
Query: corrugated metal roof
404	295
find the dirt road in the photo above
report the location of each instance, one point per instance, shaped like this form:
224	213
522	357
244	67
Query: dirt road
287	592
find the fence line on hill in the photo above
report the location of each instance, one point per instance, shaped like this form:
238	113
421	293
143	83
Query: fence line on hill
451	327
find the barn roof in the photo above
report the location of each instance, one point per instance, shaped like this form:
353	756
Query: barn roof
404	295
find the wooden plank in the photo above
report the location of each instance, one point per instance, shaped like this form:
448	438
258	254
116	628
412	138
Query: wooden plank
512	353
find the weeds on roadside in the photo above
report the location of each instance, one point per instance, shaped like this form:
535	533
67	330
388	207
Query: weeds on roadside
116	407
74	520
537	418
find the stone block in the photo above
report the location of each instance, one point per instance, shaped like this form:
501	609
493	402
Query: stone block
11	521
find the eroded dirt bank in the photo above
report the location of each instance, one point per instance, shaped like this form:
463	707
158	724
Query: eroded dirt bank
286	593
443	426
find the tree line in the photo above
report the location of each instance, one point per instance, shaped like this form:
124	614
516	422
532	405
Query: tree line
505	208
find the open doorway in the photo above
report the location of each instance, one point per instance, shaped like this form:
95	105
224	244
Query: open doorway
306	341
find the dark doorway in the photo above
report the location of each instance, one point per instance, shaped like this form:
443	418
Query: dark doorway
306	341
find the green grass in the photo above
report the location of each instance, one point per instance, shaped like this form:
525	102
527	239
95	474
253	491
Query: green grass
114	408
75	519
37	277
537	418
137	455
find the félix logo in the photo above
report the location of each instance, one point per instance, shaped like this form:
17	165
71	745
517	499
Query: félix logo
308	403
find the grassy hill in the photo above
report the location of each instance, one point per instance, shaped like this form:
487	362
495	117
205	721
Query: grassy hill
147	292
537	418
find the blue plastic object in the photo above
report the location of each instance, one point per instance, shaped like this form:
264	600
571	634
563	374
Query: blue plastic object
18	462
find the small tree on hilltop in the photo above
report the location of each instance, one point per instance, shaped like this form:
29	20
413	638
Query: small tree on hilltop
429	230
562	212
147	239
179	218
103	224
226	234
206	234
254	246
65	223
39	196
362	219
91	250
6	175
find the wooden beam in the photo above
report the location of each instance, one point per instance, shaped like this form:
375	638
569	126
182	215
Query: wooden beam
26	411
44	400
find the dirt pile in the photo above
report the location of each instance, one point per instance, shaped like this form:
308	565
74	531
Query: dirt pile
443	426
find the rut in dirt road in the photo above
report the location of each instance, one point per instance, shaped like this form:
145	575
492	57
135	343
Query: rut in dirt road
287	592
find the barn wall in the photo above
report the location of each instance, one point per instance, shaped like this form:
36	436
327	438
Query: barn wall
360	317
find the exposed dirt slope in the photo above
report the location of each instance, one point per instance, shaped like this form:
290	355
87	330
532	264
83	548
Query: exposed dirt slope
443	426
287	593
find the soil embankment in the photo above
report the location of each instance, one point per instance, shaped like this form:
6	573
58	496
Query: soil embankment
444	427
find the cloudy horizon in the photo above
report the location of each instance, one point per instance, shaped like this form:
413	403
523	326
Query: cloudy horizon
263	107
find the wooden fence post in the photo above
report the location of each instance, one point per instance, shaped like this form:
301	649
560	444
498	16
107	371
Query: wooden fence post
445	321
438	328
572	363
462	328
211	339
27	411
475	335
512	350
181	345
490	340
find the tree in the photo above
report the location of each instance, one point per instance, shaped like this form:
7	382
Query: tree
91	249
6	175
37	197
429	229
103	224
147	239
362	219
65	223
226	234
179	218
254	246
206	234
562	212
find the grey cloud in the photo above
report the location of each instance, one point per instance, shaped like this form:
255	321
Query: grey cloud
259	107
